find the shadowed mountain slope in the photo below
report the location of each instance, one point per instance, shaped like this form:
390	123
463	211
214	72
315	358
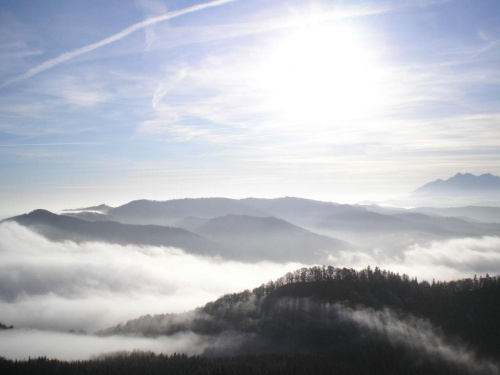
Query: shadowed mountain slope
61	227
259	238
328	218
167	212
298	211
235	237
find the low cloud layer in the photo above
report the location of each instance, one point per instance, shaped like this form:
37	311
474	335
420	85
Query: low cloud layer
24	343
440	260
89	286
49	288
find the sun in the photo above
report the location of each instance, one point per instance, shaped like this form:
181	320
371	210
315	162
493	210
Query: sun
320	75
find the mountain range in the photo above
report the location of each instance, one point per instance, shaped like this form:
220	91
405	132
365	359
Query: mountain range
239	237
282	229
60	227
350	322
459	190
462	182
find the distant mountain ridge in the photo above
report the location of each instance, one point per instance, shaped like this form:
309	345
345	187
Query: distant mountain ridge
166	212
252	229
60	227
463	189
236	237
465	182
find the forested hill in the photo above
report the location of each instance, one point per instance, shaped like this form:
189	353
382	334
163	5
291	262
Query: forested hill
339	311
320	320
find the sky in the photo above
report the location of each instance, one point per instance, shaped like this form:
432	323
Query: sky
110	101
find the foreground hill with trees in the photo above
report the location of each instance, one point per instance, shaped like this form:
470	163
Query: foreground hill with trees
320	320
380	360
348	314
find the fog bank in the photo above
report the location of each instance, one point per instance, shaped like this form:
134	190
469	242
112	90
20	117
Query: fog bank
440	260
89	286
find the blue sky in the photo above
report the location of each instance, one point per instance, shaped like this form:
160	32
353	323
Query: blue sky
109	101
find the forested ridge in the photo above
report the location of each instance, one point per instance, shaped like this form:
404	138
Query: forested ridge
467	308
379	361
322	320
343	312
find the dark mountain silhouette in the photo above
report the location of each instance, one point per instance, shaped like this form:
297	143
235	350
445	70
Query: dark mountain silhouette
350	315
259	238
61	227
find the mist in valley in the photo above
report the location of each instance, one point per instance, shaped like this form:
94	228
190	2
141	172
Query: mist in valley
276	187
67	290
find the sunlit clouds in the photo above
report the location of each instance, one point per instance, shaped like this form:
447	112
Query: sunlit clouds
278	94
449	259
90	286
320	77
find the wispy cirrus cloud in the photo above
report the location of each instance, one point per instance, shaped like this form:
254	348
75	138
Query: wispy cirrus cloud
111	39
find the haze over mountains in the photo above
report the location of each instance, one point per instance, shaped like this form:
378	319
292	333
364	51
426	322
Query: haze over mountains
462	183
60	228
280	229
330	229
92	268
461	189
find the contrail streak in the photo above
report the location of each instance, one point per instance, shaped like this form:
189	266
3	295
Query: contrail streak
113	38
47	144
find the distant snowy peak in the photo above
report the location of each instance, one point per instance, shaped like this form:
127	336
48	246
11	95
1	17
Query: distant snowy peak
463	183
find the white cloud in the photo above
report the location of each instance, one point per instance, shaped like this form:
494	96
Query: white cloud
440	260
93	285
24	343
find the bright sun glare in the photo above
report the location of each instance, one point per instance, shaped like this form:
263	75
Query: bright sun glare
320	75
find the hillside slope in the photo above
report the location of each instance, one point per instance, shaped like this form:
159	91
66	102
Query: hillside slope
261	238
345	313
61	227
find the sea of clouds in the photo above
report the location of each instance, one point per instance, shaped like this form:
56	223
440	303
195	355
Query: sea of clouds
57	293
